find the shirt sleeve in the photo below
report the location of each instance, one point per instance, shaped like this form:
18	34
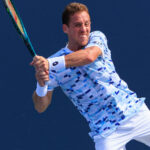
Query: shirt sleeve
52	83
56	64
97	38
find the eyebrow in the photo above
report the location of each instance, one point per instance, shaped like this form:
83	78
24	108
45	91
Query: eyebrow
88	21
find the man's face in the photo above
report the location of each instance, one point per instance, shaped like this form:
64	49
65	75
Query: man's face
78	30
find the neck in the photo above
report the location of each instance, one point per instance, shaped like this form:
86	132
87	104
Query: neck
74	48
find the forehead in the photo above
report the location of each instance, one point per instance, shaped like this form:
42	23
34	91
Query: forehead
80	17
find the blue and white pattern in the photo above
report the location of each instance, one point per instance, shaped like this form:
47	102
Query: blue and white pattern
97	90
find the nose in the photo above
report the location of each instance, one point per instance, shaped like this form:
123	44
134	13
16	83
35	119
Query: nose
83	28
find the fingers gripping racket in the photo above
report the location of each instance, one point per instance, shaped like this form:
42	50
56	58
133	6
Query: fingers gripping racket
19	25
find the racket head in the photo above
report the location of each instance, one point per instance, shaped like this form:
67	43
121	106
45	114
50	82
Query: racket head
19	25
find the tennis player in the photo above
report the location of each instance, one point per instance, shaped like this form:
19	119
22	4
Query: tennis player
85	72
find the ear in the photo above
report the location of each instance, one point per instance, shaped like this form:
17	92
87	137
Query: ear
65	28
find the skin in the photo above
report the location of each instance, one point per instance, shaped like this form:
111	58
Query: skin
78	31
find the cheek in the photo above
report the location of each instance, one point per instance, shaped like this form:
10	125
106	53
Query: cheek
73	32
89	29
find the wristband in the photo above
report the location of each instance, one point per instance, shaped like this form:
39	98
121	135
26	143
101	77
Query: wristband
41	90
57	64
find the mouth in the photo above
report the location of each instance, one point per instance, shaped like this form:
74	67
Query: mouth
83	35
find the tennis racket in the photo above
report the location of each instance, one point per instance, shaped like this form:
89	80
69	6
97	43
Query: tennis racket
19	25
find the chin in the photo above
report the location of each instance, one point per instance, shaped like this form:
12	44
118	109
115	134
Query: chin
84	43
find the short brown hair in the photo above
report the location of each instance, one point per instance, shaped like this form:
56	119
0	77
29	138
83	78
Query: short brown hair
71	9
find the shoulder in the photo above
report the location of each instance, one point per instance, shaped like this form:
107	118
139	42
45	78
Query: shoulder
98	34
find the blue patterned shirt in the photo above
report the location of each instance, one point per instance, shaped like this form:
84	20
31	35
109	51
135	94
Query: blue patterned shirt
96	89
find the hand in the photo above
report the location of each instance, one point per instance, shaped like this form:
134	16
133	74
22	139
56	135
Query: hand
41	77
40	63
42	69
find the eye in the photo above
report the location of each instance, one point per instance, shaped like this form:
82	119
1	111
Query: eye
77	25
87	24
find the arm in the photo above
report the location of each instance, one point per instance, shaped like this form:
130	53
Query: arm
43	99
95	47
42	103
78	58
82	57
